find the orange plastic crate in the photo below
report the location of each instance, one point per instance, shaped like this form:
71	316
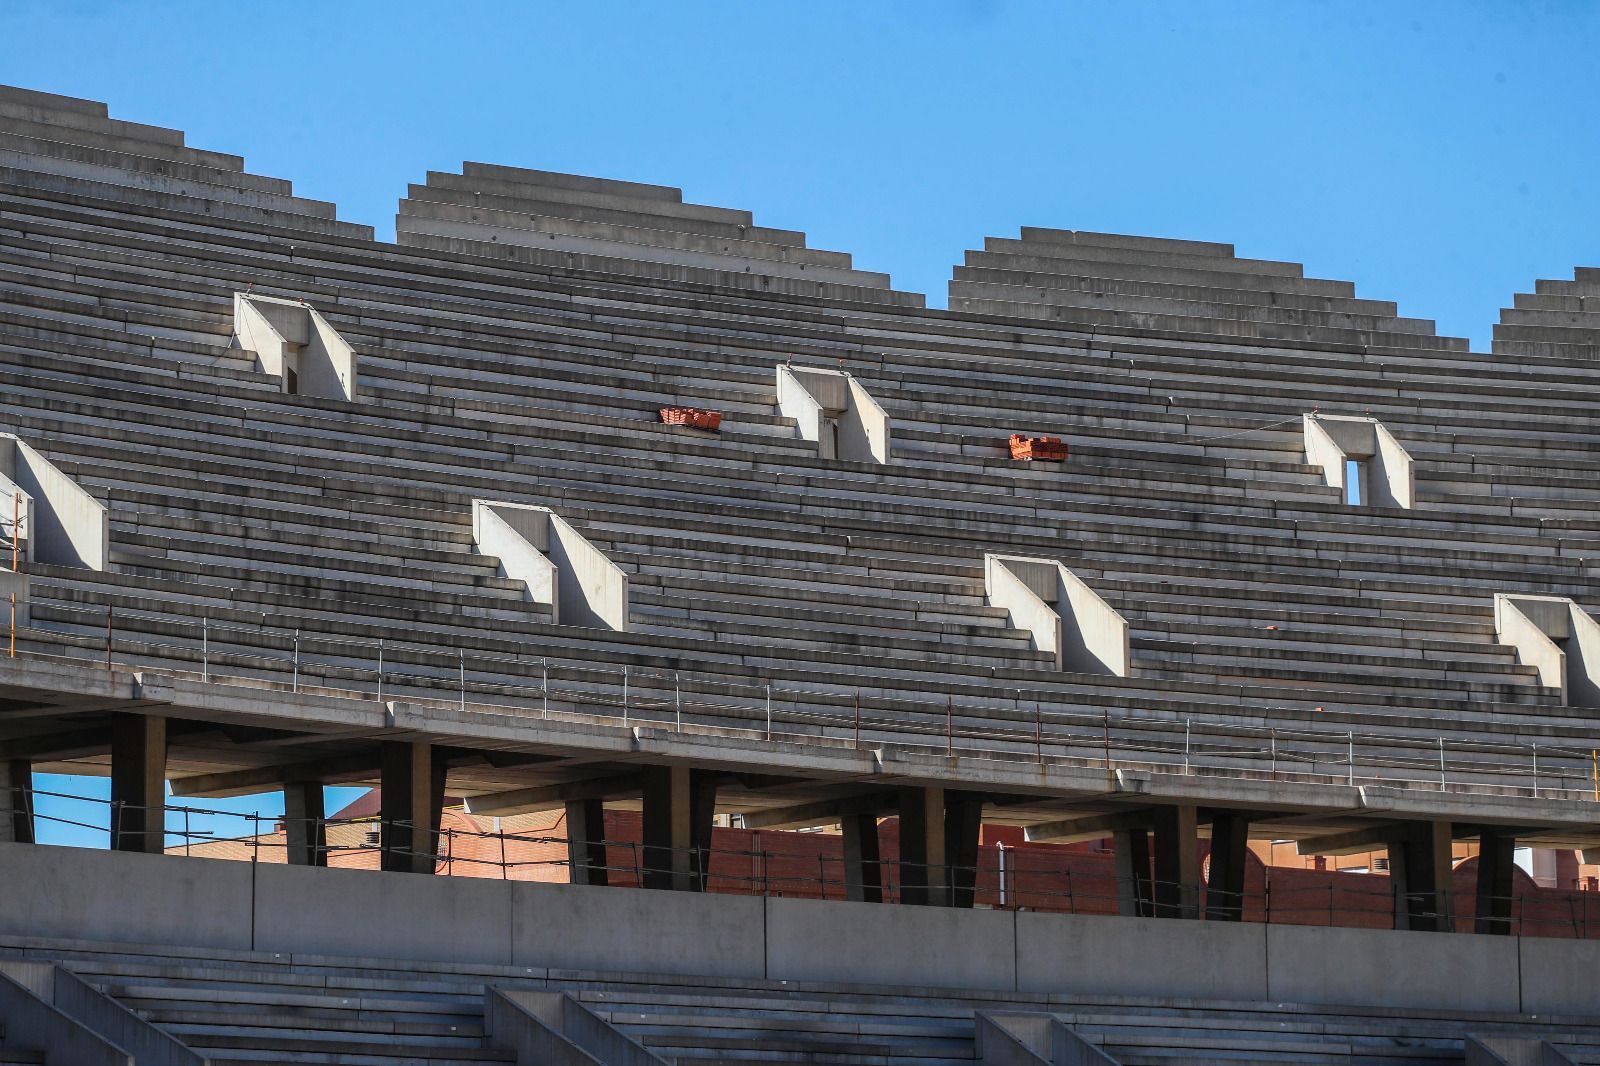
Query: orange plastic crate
1027	448
692	416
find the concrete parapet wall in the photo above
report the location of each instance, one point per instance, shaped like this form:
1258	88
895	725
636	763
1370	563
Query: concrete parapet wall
203	903
18	585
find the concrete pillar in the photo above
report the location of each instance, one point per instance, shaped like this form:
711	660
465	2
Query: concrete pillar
678	807
138	783
922	854
863	869
963	826
305	824
586	849
1496	862
1419	864
1177	866
16	802
411	803
1230	835
1132	851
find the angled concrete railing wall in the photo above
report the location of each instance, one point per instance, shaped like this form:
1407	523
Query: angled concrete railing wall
835	410
296	344
1007	1038
31	1022
1513	1051
1332	440
1064	614
1558	638
557	564
61	523
550	1020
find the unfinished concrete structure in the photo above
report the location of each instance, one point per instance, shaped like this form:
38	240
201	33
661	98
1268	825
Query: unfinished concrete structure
362	582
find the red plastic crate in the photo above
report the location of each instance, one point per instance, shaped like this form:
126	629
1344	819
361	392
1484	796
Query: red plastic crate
1048	448
692	416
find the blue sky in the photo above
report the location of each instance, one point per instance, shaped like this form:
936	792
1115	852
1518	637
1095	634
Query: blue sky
1443	155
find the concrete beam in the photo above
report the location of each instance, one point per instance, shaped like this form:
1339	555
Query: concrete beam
863	858
1088	827
1064	615
411	804
1332	441
305	824
333	770
678	806
922	847
59	522
1177	862
138	783
1225	890
1558	638
16	802
295	344
537	798
821	812
835	410
556	563
586	842
1496	864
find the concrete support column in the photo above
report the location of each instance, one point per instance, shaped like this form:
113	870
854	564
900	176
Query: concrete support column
963	826
411	804
305	823
1132	851
678	808
922	854
16	802
586	849
1496	862
138	783
1419	864
863	870
1177	866
1230	835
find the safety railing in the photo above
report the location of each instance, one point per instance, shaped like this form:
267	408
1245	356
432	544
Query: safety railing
1022	726
811	865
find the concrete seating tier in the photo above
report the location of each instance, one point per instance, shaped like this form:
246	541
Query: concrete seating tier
254	1007
534	375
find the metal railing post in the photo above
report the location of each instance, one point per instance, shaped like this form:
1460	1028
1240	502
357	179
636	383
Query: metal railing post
296	660
109	612
205	648
1536	771
677	702
380	671
624	697
1352	740
1273	734
1442	785
461	666
769	712
1188	727
544	687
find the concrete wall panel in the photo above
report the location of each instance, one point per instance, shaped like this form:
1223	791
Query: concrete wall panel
932	947
1559	975
1374	967
124	897
400	916
578	927
1140	957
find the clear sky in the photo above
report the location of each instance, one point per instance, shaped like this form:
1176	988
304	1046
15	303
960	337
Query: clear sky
1443	155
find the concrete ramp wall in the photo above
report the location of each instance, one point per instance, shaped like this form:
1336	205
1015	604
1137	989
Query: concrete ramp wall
115	897
60	522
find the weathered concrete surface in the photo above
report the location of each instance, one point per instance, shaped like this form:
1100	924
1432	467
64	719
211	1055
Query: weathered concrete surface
1130	956
1402	969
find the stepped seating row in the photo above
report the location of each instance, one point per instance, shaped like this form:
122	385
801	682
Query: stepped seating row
1559	319
242	1007
416	357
